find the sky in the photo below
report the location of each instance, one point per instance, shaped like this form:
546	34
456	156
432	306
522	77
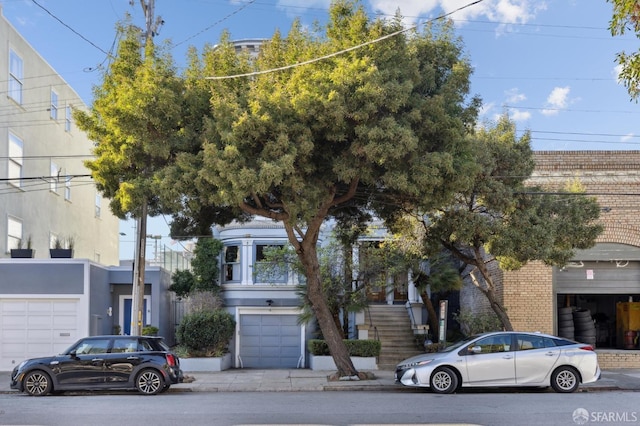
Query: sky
549	64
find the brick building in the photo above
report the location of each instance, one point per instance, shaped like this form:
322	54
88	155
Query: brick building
597	279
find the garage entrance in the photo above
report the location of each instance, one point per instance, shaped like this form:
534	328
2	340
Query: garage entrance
270	341
35	327
601	278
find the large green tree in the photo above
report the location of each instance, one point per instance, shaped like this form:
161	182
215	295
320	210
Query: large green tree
136	120
372	129
502	219
626	17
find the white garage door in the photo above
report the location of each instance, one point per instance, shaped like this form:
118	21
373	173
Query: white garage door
39	327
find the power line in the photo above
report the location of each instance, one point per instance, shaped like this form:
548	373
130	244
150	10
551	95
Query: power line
338	53
74	31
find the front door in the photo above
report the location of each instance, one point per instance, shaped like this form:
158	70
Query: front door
126	313
492	363
85	367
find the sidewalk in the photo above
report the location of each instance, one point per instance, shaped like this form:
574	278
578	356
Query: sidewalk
304	380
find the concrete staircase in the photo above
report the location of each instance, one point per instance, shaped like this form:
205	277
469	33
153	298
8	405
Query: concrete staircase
394	331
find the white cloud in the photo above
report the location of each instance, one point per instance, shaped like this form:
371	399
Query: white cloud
503	11
514	96
627	138
517	115
615	72
557	100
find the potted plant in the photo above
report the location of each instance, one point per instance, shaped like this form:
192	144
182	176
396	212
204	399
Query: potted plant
59	250
23	253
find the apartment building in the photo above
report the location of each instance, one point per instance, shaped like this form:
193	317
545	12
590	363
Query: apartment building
46	192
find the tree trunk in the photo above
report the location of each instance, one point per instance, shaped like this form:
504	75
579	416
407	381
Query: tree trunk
433	316
308	255
489	291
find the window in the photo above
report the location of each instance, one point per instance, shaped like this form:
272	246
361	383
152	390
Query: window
98	205
53	110
92	346
231	263
15	76
67	118
492	344
268	271
53	182
125	344
14	233
67	188
15	160
526	342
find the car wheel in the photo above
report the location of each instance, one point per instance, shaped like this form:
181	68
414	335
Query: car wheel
565	380
444	380
149	382
37	383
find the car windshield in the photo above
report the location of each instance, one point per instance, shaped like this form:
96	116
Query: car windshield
458	344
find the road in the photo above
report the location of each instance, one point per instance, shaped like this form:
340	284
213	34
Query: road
320	408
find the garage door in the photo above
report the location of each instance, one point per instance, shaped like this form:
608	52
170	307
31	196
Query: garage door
270	341
31	328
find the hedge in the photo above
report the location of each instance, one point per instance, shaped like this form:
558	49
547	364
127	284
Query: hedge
355	347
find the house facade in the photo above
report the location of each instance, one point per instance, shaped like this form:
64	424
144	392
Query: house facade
48	304
47	193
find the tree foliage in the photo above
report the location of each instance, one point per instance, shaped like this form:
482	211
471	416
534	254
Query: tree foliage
135	120
370	130
502	219
626	17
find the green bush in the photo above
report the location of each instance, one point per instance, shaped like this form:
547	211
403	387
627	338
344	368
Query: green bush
206	333
150	330
355	347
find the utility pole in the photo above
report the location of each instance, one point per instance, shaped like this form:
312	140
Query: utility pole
139	263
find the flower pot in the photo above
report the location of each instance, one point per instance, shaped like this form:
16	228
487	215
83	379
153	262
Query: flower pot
60	253
22	253
325	362
206	364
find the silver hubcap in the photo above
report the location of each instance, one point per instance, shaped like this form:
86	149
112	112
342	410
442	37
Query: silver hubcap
441	381
149	382
36	384
566	380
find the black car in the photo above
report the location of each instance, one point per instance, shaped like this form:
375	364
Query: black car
144	363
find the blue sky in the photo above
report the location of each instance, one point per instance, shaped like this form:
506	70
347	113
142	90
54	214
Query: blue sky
549	64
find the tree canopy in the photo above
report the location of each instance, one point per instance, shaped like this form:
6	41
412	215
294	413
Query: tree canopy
501	218
371	130
626	17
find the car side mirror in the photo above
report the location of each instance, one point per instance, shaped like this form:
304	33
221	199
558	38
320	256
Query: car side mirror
73	354
475	349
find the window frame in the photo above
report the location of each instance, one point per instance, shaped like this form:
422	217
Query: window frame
16	77
231	267
67	118
53	108
16	160
258	257
13	241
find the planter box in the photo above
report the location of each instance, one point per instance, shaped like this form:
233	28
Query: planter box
22	253
206	364
322	362
61	253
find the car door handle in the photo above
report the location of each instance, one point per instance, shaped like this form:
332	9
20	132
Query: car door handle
550	354
133	357
507	357
97	360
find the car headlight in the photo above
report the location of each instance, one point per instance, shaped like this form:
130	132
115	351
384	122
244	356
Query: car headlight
418	363
22	364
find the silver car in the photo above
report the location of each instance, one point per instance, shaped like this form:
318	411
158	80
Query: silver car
503	359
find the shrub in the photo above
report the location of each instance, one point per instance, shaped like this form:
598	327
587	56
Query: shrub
472	323
206	333
150	330
355	347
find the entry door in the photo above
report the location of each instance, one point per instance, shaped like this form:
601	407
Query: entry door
126	310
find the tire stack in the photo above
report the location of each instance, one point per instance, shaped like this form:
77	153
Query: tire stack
565	323
585	328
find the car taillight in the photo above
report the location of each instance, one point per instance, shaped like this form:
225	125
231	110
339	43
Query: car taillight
171	360
587	348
